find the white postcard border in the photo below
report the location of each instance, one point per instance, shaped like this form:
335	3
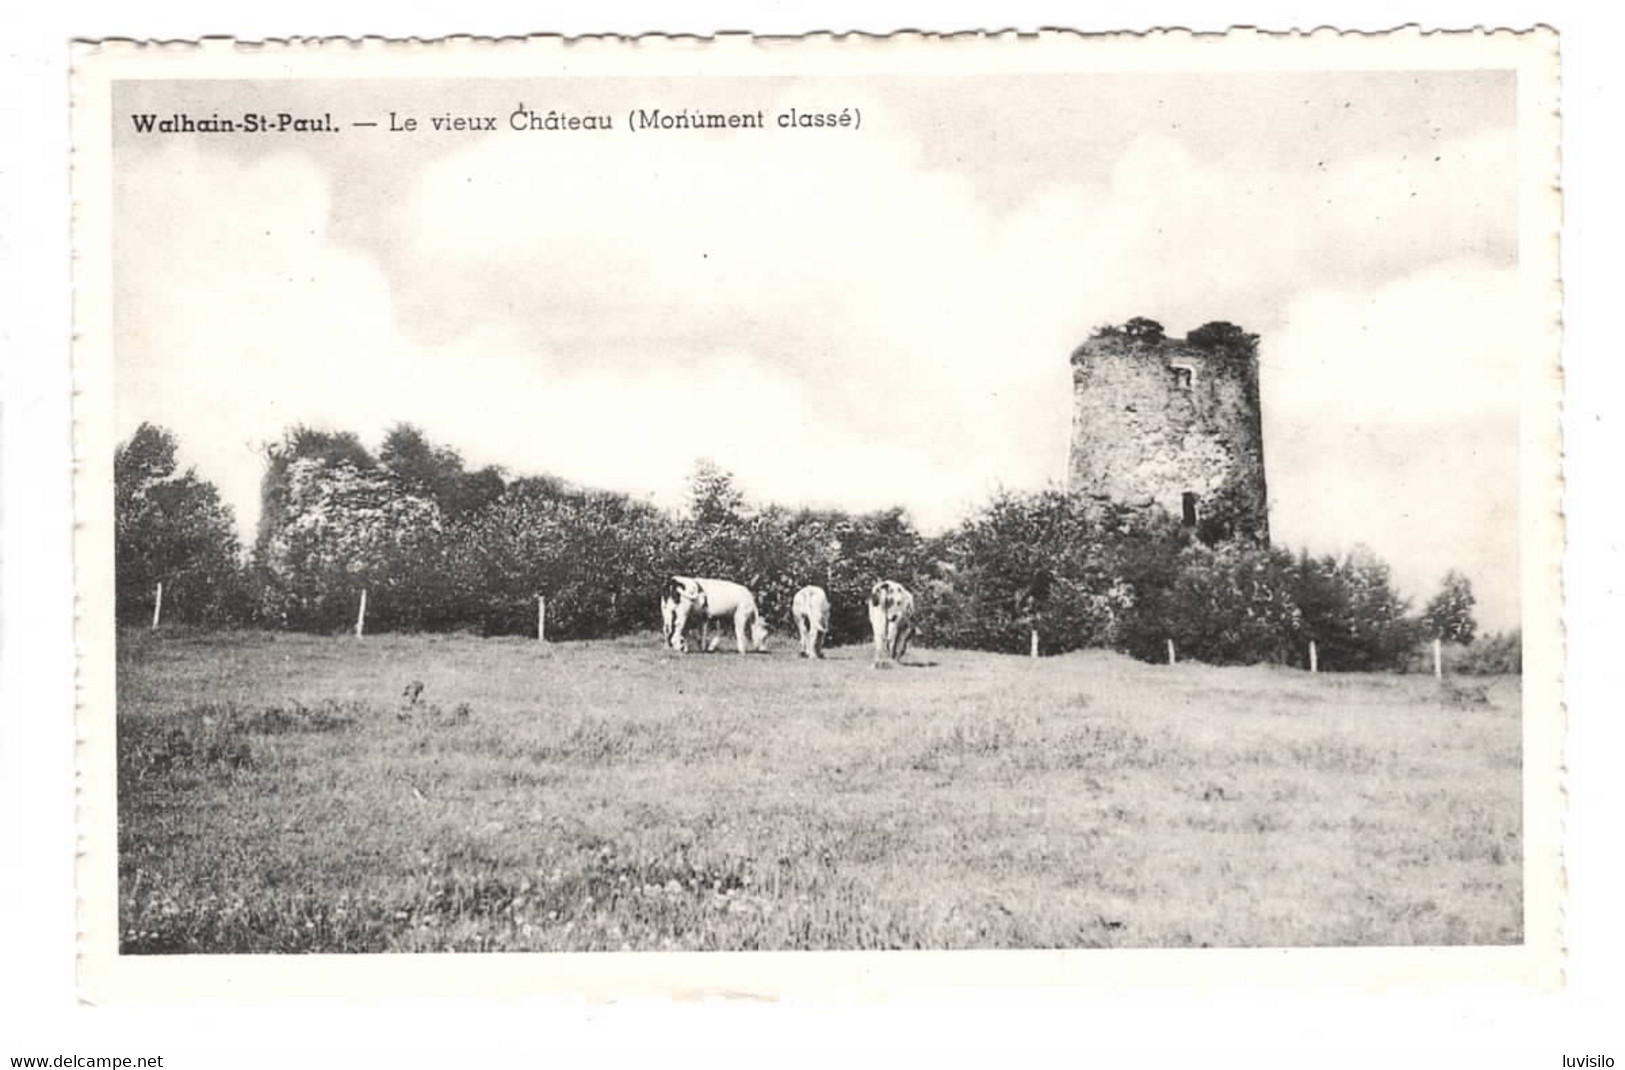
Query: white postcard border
107	976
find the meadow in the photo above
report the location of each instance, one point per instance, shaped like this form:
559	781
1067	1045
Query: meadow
296	793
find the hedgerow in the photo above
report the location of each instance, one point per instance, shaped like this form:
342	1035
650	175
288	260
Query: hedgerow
437	548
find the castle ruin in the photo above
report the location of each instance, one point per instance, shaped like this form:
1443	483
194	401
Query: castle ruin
1175	425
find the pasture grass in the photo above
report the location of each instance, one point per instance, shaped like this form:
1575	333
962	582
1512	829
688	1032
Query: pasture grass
282	793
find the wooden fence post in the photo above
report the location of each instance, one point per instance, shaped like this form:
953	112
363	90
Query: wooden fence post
1314	657
1035	642
541	619
361	616
1438	659
1171	659
157	605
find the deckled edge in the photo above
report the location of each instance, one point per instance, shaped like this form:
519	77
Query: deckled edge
89	50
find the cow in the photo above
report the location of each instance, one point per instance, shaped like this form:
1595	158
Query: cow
686	599
891	616
811	610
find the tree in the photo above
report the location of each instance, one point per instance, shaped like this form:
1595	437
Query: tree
598	557
1449	616
1220	336
1025	562
407	452
172	529
473	491
1233	604
438	472
713	498
1351	610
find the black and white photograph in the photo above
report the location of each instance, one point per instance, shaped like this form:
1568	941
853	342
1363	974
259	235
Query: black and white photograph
928	495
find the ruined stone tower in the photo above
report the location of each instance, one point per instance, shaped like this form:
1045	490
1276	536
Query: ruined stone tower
1175	425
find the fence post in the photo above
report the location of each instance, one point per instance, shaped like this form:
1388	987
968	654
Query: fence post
1314	657
361	616
541	619
1035	642
1171	659
157	605
1438	659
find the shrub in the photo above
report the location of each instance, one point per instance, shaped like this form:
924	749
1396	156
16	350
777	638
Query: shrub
1492	655
599	559
1352	612
1229	604
1223	338
1039	561
440	548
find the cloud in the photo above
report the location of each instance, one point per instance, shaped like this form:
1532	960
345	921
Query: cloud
643	434
886	289
237	317
1391	418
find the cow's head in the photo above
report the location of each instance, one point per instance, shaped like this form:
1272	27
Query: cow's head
678	589
758	633
678	599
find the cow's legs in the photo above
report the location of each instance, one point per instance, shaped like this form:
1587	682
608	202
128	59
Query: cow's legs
677	629
804	626
818	642
741	626
905	632
877	624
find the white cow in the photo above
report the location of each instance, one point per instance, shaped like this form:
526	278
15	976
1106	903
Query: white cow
811	610
891	616
686	599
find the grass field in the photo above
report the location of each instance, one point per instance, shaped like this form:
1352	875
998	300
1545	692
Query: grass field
283	793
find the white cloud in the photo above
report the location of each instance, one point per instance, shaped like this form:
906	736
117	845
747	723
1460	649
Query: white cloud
1391	418
237	317
1432	347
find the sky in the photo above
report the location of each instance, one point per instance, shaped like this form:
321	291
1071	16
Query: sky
857	318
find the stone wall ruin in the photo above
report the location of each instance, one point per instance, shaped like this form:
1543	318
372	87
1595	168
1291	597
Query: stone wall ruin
1172	425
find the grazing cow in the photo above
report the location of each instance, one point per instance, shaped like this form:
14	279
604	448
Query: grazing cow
891	616
811	609
686	600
